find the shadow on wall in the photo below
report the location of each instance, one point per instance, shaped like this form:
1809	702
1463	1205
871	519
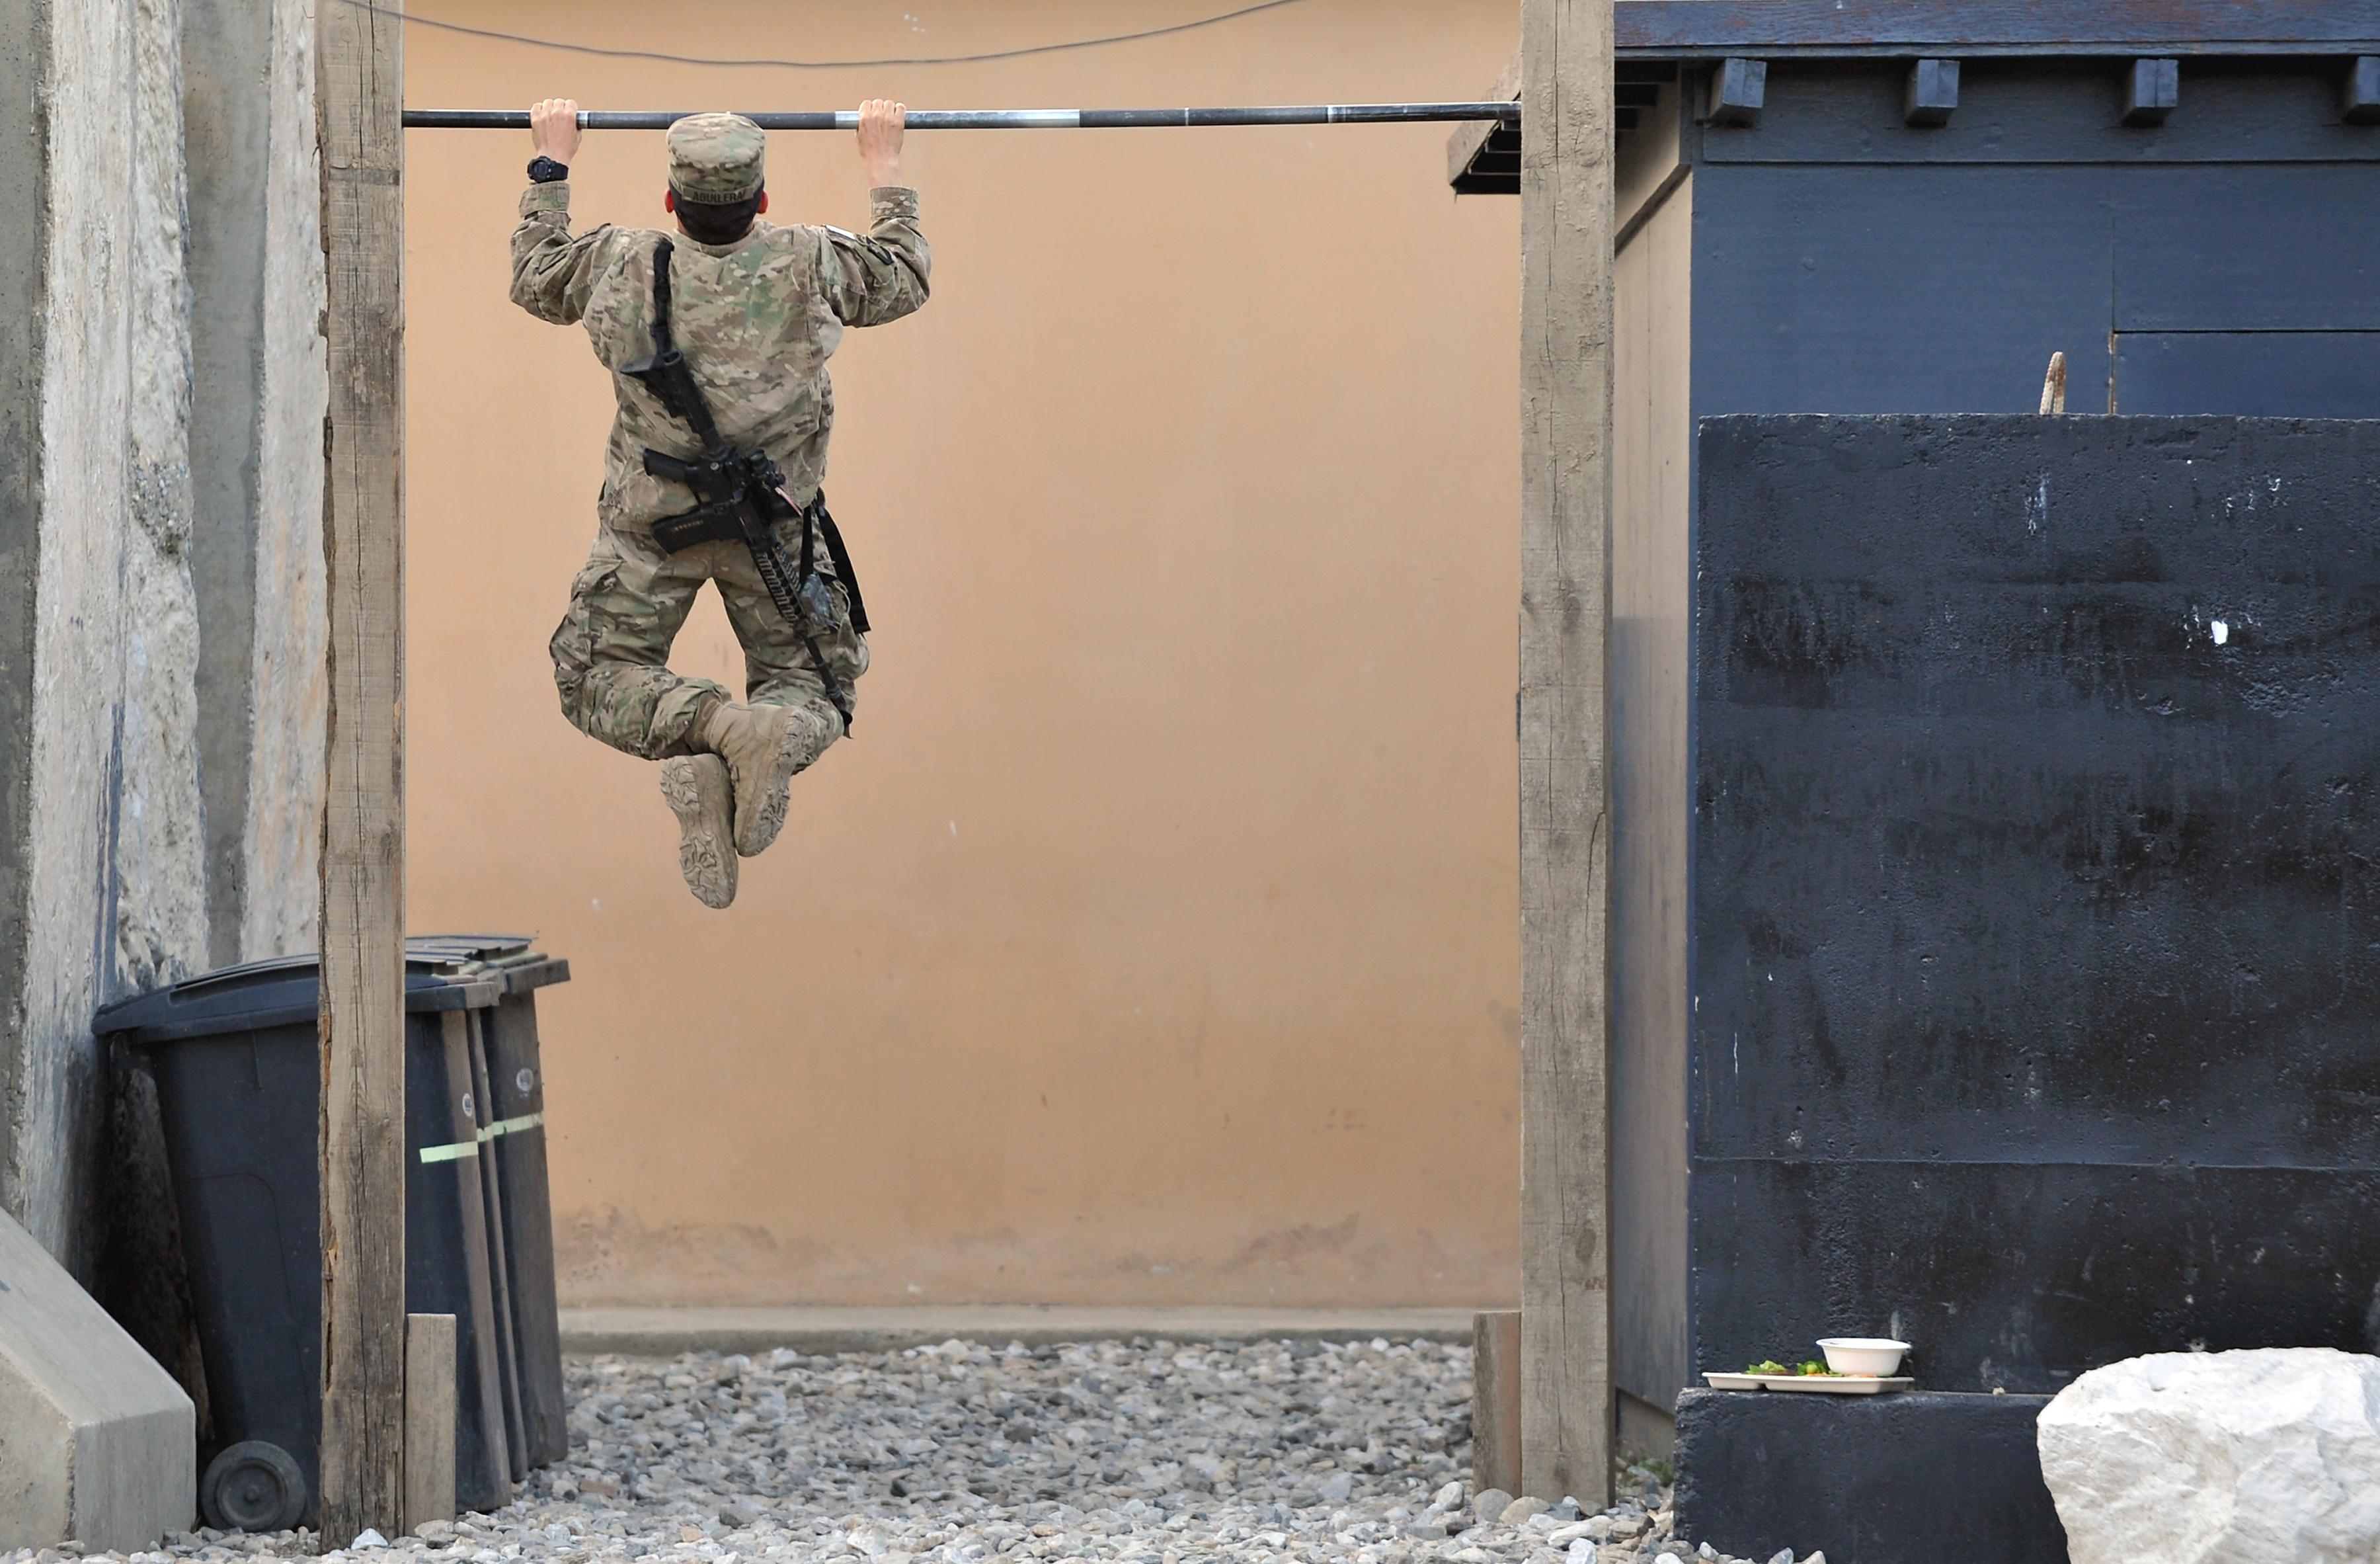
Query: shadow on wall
616	1259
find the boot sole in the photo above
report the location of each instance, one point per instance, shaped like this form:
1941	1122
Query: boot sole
698	792
796	747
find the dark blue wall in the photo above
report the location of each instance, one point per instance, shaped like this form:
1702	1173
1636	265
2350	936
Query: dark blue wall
1847	263
2036	918
1934	287
2225	263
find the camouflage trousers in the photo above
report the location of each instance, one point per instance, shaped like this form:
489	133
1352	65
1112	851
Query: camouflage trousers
611	652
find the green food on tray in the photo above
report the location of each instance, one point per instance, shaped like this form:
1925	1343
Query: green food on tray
1770	1366
1818	1371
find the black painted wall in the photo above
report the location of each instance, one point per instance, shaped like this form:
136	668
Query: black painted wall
2225	263
2036	889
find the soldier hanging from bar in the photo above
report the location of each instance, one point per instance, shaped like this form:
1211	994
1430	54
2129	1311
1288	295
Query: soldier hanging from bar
717	338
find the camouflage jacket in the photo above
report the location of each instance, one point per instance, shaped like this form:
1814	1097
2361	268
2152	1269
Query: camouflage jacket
755	319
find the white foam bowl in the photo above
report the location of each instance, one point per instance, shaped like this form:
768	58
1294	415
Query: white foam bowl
1864	1354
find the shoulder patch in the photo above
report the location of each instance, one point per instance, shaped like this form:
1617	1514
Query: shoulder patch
842	233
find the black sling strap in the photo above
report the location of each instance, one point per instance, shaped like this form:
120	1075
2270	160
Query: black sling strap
838	557
663	342
698	413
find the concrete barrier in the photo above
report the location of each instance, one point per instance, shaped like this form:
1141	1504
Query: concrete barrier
97	1443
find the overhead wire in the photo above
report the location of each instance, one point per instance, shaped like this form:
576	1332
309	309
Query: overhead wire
413	19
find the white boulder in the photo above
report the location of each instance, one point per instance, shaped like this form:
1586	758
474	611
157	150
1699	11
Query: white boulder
2262	1457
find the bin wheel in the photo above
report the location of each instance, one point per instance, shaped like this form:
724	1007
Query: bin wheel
253	1486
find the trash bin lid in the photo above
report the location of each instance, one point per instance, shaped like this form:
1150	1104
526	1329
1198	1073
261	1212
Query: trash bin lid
507	958
283	991
489	948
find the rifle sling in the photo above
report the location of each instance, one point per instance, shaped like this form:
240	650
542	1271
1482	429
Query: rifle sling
840	559
663	343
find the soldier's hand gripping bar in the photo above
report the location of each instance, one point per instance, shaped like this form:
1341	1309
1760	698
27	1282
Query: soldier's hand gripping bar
998	119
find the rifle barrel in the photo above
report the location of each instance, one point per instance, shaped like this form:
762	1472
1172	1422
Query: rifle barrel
999	119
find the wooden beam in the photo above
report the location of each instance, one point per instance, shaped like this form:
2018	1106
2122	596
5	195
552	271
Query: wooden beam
358	99
2152	91
1566	336
1974	28
2360	101
1734	93
1931	94
1464	144
429	1400
1496	1401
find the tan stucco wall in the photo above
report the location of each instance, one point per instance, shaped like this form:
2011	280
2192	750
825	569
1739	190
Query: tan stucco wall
1155	938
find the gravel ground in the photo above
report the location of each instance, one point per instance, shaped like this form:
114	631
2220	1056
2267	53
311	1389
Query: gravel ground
1155	1453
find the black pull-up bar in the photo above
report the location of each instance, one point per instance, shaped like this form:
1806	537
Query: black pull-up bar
996	119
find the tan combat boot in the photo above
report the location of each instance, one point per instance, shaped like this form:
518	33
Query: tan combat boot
763	746
703	798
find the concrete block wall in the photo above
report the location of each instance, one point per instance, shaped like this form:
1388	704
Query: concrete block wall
160	623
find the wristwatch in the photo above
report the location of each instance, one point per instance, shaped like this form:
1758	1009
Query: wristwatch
545	171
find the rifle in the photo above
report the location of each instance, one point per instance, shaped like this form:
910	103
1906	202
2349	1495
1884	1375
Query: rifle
742	498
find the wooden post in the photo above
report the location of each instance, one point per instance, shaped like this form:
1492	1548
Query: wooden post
429	1400
358	103
1566	332
1496	1402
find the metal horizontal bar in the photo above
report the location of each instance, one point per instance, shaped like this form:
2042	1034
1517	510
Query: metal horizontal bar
998	119
1979	29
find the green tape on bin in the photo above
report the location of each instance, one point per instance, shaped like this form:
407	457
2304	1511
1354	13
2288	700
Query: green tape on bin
513	1126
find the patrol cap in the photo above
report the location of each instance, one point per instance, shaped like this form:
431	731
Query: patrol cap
716	158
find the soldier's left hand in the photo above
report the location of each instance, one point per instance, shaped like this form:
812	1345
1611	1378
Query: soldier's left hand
554	128
882	121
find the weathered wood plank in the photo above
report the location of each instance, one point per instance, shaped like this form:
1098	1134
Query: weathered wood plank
1672	28
359	98
1496	1401
1652	613
429	1394
1566	389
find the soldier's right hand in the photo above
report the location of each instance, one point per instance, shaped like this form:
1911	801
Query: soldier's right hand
554	128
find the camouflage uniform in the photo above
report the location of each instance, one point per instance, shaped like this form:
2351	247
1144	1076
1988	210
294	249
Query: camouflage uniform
756	320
